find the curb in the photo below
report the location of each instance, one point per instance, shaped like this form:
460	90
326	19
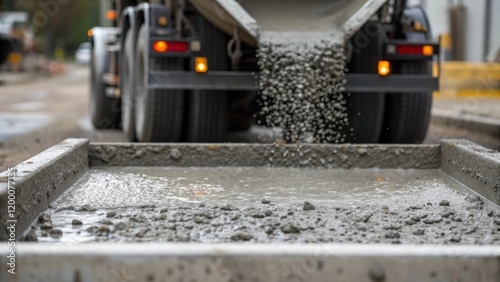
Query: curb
474	123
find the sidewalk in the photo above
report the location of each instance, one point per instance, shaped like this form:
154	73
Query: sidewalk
488	107
8	78
475	118
55	69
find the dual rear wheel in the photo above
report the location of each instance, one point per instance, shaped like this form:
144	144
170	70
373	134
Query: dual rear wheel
159	115
386	117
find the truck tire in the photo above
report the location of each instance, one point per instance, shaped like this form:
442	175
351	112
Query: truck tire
365	115
365	110
104	111
408	114
208	110
158	113
128	88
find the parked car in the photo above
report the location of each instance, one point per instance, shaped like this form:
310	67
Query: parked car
84	53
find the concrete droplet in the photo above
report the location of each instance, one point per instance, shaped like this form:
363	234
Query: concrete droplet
376	273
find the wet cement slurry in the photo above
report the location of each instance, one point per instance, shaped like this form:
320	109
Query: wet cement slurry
269	205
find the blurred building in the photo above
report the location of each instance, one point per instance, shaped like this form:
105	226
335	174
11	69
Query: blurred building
477	28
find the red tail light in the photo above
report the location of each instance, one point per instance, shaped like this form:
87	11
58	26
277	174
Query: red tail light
425	50
170	46
409	50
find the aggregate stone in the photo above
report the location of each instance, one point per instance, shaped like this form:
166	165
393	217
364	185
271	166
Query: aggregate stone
290	228
175	154
419	232
432	220
444	203
366	223
308	206
392	227
120	226
241	236
392	235
76	222
103	230
415	218
43	218
31	236
55	233
47	225
106	222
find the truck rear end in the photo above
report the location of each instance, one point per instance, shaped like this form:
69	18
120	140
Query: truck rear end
190	70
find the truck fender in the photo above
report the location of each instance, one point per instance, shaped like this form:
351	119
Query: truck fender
127	21
101	36
411	16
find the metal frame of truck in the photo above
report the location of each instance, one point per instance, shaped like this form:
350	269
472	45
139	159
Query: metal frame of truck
165	21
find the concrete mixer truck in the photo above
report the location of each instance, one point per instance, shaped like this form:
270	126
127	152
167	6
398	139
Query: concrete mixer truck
187	70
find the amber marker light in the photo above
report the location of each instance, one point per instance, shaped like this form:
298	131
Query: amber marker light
384	68
201	64
90	33
160	46
428	50
111	15
163	21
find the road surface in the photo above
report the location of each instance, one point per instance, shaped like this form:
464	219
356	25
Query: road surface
39	112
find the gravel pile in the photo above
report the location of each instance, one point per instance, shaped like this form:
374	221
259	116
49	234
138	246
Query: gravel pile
303	88
270	222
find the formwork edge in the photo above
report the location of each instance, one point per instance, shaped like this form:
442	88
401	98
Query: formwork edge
32	185
257	262
328	156
475	166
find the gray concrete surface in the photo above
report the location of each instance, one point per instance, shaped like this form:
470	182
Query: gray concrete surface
268	205
317	155
284	202
424	199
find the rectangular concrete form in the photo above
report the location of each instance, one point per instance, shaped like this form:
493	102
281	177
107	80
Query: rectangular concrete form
42	179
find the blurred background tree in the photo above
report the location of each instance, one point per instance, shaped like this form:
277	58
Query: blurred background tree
57	25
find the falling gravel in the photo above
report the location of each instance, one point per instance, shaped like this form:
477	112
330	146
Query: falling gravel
303	88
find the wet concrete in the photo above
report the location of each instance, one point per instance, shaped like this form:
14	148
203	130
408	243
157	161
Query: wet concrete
269	205
213	155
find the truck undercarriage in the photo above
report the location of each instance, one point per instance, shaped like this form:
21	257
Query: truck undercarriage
172	71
